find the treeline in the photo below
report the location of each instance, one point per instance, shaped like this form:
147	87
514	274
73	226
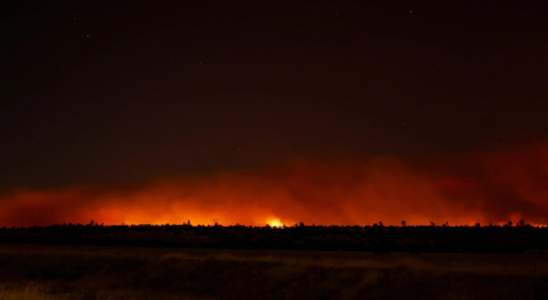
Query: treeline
522	238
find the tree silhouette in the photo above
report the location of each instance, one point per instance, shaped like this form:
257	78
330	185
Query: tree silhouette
379	237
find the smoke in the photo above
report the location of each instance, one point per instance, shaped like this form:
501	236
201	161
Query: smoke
495	187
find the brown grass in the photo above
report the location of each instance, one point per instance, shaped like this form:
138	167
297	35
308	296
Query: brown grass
31	292
109	273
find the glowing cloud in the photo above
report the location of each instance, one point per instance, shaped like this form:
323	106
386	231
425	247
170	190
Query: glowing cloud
484	187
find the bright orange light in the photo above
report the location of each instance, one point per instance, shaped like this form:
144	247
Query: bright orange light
488	188
275	222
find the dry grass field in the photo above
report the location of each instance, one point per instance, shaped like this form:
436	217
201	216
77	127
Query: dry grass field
73	272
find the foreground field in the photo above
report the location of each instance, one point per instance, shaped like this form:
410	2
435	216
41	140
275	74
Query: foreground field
45	272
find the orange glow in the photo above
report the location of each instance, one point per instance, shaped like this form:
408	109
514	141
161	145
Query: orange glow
484	187
274	222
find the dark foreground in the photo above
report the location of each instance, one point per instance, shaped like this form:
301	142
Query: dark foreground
381	239
39	272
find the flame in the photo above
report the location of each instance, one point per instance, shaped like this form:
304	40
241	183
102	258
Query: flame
509	184
274	222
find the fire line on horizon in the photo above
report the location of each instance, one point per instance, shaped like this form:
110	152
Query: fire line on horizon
344	193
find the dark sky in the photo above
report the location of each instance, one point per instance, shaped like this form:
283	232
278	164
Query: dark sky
112	92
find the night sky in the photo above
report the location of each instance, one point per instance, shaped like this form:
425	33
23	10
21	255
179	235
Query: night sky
122	94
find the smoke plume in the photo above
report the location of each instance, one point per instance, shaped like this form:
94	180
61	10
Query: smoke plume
509	184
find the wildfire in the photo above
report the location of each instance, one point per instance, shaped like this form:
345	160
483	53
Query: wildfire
488	188
274	222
